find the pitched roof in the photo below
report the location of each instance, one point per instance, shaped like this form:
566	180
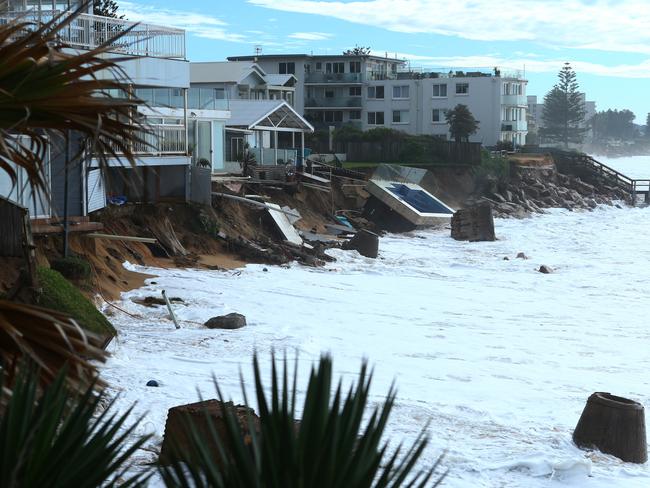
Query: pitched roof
266	114
280	80
224	71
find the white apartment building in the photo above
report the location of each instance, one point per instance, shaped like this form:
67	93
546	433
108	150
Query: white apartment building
374	91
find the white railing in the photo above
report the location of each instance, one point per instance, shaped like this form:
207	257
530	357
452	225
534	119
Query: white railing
89	31
161	141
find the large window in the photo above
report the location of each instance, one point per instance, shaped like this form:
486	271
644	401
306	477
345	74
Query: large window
438	116
335	67
375	118
462	88
355	66
329	93
287	68
401	91
376	92
355	114
439	90
355	91
400	116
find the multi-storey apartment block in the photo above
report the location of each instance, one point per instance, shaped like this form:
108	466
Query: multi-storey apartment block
372	91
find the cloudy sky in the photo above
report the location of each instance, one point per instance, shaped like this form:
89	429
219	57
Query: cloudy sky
607	41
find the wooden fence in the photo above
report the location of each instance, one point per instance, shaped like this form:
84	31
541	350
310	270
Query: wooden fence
12	238
408	151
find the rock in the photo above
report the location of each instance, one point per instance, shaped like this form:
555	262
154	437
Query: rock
154	301
365	242
152	383
204	417
265	269
506	258
521	255
508	195
230	321
474	224
545	269
498	197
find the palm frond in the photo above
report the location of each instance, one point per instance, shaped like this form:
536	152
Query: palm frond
337	442
50	436
49	339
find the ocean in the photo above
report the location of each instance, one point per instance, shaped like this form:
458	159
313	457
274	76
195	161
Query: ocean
497	356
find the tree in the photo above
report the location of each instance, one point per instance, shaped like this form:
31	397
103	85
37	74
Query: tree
106	8
462	123
614	124
647	126
564	110
357	51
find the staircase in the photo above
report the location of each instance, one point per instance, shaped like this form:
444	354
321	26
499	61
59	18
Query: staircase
588	168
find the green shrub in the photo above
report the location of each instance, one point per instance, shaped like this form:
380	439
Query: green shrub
50	437
61	295
337	442
493	170
72	268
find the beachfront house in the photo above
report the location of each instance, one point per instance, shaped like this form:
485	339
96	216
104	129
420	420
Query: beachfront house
187	126
366	91
263	125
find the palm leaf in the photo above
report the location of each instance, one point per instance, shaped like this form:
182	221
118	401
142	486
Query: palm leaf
51	340
329	447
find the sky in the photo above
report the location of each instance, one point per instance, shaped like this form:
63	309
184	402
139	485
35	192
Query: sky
606	41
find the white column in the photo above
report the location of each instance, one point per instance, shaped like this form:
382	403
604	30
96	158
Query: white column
275	144
302	150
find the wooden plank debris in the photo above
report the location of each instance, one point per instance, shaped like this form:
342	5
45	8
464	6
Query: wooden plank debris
112	237
283	224
171	312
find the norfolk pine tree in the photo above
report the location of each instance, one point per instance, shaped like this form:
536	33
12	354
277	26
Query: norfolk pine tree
564	110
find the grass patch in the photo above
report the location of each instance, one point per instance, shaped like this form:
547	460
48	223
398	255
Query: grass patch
61	295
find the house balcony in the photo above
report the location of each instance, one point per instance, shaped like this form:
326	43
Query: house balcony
514	126
270	156
333	102
327	78
514	100
320	125
90	31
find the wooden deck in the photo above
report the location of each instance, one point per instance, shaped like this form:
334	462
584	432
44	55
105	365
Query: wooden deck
55	225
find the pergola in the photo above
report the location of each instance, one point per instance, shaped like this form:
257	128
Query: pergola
274	116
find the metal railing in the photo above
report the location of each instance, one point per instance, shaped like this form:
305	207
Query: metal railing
334	78
269	156
90	31
162	141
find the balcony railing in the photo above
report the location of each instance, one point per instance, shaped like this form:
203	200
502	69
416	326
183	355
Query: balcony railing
333	102
334	78
514	126
89	31
162	141
514	100
268	156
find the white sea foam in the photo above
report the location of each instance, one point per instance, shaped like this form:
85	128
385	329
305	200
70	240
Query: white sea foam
499	357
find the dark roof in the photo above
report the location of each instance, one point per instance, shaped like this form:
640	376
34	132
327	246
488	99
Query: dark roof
317	56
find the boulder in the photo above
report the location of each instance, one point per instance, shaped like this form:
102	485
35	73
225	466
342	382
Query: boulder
522	255
545	269
204	417
230	321
474	224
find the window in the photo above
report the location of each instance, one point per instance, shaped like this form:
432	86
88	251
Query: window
329	93
376	92
338	67
400	116
355	114
440	90
438	116
355	66
334	116
355	91
287	68
375	118
462	88
319	66
401	91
